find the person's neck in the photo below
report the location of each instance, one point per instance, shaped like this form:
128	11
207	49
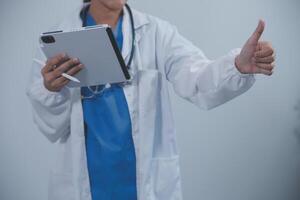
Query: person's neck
103	14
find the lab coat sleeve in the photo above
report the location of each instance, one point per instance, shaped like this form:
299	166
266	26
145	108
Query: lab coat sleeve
51	110
206	83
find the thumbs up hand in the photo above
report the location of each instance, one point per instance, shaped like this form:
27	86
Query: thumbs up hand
256	57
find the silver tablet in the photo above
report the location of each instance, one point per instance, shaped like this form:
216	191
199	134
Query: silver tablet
96	48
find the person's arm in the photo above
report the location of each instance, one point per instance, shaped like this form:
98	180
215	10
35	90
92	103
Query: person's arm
49	98
209	83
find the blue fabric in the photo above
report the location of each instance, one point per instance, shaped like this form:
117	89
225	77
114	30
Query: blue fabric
109	145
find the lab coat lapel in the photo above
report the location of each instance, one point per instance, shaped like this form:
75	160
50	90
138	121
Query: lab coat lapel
139	21
131	90
73	21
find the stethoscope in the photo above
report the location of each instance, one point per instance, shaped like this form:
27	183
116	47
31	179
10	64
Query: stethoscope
83	16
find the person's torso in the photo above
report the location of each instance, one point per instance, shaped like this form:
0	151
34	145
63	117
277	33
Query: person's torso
157	161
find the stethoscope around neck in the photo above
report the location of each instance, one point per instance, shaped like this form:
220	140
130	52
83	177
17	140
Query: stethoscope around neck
83	16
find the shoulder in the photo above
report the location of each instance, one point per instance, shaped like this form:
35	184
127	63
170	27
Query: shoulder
152	22
72	19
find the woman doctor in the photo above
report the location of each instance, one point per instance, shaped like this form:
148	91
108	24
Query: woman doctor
119	142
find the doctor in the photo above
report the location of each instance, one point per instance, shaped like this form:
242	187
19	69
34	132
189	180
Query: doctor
119	142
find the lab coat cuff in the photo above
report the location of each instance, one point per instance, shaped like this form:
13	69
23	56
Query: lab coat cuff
45	91
61	95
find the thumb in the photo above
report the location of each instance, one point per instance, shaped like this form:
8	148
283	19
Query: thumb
258	32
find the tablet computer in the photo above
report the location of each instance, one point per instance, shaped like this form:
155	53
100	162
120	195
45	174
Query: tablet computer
97	50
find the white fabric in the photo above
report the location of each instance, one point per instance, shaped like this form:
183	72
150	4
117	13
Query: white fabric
161	55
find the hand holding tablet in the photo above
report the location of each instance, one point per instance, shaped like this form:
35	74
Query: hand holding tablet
97	51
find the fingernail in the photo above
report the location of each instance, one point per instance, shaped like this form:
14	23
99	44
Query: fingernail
75	59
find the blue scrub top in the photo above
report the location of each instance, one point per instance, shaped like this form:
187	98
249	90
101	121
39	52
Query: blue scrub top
109	145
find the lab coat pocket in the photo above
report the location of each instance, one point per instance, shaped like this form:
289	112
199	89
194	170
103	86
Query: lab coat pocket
164	181
60	187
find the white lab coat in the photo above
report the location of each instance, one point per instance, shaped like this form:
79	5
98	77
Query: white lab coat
162	55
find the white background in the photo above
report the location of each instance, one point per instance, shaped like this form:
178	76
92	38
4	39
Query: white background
247	149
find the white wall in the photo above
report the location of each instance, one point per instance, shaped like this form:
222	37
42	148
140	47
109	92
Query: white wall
247	149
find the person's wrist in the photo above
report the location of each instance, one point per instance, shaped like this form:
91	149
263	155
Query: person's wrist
239	69
237	64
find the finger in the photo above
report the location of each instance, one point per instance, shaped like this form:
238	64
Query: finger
258	47
51	68
266	66
263	71
49	77
64	83
258	32
46	69
74	70
265	52
66	66
54	61
269	59
52	75
61	80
